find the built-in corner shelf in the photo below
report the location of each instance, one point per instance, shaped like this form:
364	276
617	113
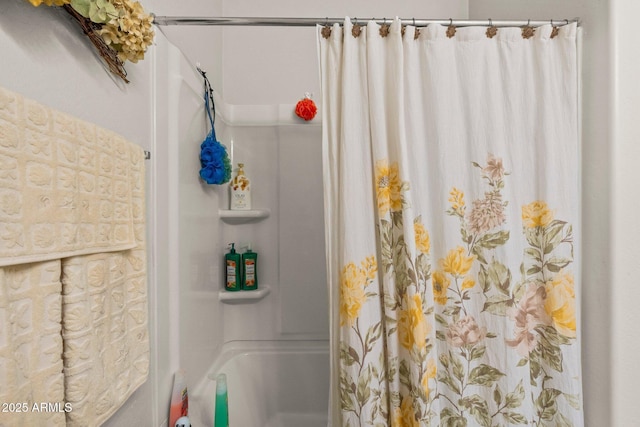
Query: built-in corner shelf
244	297
239	217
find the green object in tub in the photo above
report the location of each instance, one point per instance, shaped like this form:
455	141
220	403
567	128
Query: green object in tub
221	416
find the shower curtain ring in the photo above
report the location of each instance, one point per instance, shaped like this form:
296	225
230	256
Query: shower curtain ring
326	30
567	21
414	22
450	22
491	31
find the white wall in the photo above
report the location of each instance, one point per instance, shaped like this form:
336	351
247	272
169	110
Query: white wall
625	202
264	65
276	65
598	206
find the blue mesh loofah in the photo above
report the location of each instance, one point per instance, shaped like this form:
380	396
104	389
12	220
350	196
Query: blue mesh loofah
216	168
214	160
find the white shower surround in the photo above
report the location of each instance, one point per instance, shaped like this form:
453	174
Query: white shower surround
282	157
270	384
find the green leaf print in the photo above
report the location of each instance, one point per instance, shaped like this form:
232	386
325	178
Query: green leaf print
458	367
514	418
549	346
534	237
448	418
573	400
363	391
533	254
555	264
373	335
498	276
477	352
348	355
552	236
484	375
405	375
347	388
497	395
493	240
561	421
497	304
446	378
514	399
478	408
546	404
386	245
423	267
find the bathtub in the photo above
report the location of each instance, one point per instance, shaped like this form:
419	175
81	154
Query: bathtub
270	384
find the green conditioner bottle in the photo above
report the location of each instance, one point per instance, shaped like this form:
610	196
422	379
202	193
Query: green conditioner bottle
249	269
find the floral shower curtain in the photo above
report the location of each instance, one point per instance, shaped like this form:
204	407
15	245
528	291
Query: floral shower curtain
451	173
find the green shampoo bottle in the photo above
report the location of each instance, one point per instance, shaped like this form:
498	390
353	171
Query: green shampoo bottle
249	269
233	272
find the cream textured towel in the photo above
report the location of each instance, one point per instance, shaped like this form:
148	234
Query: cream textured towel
105	321
73	290
63	186
30	345
105	333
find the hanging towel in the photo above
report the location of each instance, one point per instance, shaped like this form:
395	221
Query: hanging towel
73	288
30	344
105	333
105	326
63	190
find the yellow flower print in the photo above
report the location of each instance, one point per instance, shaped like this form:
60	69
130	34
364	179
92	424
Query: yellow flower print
388	187
456	262
404	416
423	242
440	285
536	214
429	374
370	266
468	283
560	303
352	296
412	324
456	198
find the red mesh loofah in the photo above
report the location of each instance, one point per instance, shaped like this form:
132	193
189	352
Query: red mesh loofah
306	109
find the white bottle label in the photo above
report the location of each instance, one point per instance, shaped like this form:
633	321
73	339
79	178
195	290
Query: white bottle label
240	191
240	200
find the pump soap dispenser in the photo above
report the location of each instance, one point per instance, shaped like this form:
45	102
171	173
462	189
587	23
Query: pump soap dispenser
233	270
240	188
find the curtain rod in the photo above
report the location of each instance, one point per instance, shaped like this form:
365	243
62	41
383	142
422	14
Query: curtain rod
312	22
